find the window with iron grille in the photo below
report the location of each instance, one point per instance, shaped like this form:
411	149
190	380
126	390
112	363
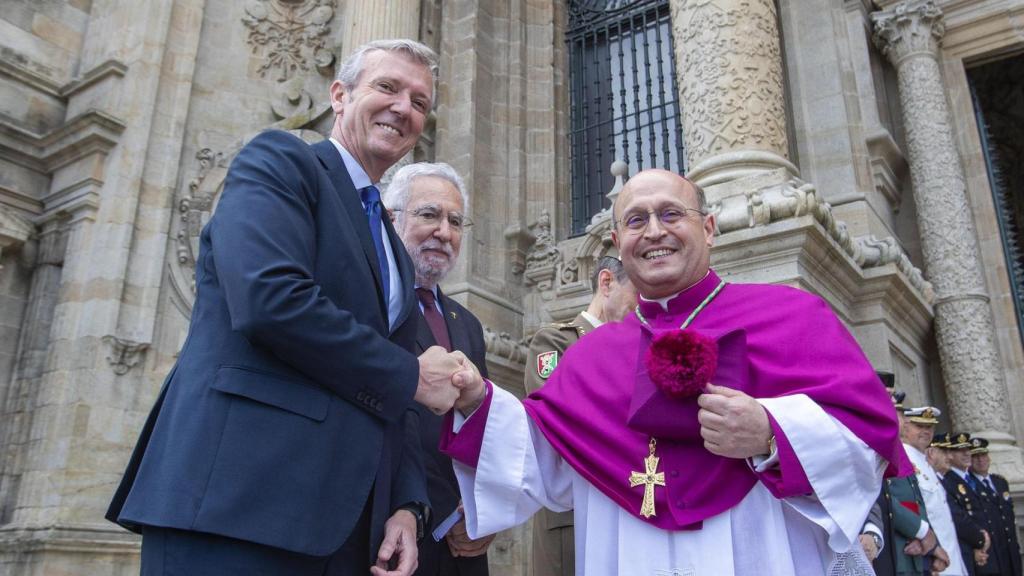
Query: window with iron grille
623	96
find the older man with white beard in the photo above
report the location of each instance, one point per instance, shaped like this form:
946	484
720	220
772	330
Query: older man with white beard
428	204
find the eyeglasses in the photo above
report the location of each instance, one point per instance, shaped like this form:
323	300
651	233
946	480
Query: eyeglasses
431	216
669	217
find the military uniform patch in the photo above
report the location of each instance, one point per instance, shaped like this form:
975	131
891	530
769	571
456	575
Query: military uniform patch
546	363
962	490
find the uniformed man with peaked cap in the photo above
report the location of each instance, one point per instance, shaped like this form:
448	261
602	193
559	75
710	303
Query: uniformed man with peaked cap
554	551
995	493
964	503
918	432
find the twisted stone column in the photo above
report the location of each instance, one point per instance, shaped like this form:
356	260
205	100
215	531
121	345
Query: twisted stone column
909	34
729	69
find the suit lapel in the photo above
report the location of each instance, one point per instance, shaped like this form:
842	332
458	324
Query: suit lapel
331	160
458	336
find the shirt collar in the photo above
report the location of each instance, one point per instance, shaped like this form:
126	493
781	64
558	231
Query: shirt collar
685	300
434	290
961	473
591	318
360	179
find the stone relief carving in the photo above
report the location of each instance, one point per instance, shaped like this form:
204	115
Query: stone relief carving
570	272
543	257
291	99
502	345
909	28
796	198
291	35
124	354
730	74
195	209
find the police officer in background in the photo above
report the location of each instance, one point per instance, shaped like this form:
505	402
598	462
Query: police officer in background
995	497
965	504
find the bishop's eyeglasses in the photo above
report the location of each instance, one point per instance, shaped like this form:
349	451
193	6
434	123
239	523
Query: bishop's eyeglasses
670	216
431	215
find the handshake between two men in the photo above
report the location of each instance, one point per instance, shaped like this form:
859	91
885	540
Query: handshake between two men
448	379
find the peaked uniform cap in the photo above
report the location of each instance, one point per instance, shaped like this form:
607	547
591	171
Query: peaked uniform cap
940	440
979	446
923	415
960	441
897	399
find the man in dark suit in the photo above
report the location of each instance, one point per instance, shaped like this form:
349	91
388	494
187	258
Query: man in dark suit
284	441
428	203
966	507
995	495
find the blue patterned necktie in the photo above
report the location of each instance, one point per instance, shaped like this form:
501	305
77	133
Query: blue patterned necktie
972	482
371	201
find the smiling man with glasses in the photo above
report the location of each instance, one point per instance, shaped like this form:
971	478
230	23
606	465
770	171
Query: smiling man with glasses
429	203
769	469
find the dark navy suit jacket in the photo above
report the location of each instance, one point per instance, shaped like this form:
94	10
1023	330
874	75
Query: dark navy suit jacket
291	398
466	335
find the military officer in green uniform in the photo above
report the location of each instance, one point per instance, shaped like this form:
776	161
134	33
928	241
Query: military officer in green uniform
614	296
913	547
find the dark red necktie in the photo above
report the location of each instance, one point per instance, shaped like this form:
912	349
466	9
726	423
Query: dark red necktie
434	319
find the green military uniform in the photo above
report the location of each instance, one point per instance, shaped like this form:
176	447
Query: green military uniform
554	552
904	496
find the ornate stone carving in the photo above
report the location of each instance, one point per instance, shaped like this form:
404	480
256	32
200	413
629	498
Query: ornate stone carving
908	34
909	28
730	75
197	203
570	272
292	99
195	208
124	354
543	257
502	345
796	198
290	34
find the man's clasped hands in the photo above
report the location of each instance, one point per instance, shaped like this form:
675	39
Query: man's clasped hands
448	379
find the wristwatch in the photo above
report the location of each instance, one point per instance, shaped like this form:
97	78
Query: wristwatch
877	539
417	510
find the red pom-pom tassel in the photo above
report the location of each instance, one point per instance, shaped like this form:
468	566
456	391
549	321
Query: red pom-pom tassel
681	362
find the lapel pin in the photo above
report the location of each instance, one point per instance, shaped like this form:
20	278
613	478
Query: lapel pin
453	315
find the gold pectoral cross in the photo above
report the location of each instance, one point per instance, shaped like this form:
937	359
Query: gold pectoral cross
650	478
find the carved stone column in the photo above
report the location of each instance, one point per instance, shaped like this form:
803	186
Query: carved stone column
909	34
729	67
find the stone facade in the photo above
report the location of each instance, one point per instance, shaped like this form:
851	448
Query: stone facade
836	140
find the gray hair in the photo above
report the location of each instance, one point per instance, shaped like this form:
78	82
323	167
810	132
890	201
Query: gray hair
352	68
611	264
396	197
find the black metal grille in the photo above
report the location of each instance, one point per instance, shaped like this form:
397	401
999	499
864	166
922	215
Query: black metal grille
623	96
